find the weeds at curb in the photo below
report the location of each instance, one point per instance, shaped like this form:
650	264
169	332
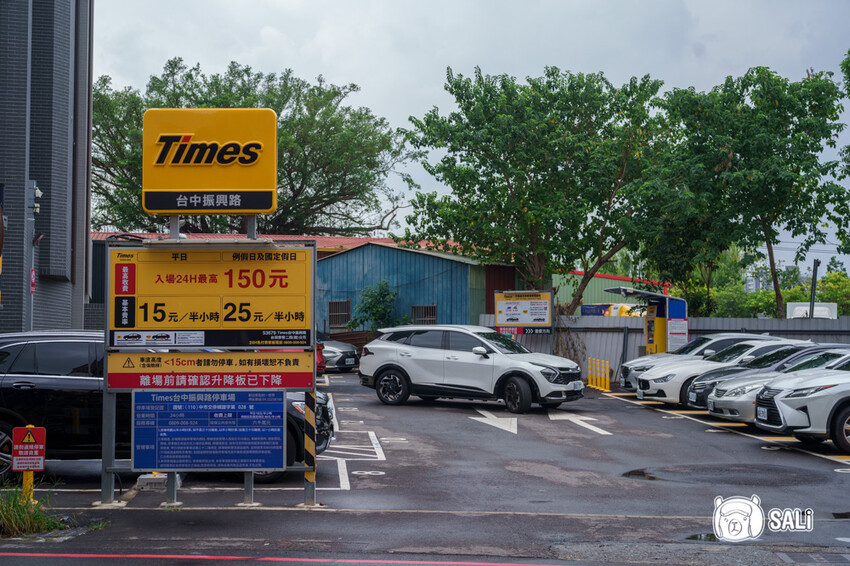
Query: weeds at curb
19	516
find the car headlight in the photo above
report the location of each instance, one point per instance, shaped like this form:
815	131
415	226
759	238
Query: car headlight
805	392
549	373
298	406
664	379
331	351
743	390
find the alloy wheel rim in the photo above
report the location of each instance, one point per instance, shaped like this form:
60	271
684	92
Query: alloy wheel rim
391	387
5	452
512	395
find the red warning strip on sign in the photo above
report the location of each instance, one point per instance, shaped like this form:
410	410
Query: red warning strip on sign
211	370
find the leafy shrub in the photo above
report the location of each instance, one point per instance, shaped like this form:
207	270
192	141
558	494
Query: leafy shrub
376	307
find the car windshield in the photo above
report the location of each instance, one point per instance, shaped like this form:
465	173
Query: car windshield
691	346
813	361
730	353
773	358
504	344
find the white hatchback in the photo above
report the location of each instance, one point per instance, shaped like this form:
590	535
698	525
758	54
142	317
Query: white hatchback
465	362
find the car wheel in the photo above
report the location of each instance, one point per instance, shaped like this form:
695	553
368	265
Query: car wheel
683	392
551	404
809	440
392	387
841	430
517	395
5	450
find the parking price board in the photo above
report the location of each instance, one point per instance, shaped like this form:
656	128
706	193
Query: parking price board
215	298
206	431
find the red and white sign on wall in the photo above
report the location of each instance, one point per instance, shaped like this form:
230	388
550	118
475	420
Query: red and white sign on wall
28	445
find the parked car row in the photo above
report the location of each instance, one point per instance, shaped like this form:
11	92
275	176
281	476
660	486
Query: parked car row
789	386
55	380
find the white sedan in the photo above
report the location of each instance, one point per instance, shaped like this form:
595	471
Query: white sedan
735	399
669	382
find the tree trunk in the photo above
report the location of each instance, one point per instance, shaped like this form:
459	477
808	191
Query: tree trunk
588	276
780	302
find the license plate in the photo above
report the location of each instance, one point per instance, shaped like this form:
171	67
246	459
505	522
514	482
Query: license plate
761	413
622	382
692	397
349	361
640	394
710	405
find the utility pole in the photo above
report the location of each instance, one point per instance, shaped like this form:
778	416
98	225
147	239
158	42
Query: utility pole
32	208
814	287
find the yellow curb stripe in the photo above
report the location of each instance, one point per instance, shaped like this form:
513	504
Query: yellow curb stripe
689	412
727	424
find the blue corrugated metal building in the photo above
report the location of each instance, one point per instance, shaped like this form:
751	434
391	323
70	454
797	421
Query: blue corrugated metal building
451	288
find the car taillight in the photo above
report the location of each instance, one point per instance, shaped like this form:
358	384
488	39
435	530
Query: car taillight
365	352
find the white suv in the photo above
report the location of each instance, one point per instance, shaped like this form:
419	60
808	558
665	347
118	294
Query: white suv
467	362
813	405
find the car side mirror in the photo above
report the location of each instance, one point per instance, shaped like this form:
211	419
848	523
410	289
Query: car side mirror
480	350
707	353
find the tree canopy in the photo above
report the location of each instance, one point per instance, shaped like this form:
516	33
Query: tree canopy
335	162
563	171
541	173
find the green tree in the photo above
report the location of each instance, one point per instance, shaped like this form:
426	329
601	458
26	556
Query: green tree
763	153
834	287
376	308
541	173
335	162
836	266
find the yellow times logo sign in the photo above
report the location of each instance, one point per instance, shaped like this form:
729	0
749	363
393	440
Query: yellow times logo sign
209	161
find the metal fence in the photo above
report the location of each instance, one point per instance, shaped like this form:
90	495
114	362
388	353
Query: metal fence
618	339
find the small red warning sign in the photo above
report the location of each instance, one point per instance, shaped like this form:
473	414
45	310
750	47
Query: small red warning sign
28	447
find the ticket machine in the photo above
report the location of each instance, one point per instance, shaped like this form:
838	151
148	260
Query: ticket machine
666	321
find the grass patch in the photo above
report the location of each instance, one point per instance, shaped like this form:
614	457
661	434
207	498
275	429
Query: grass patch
19	516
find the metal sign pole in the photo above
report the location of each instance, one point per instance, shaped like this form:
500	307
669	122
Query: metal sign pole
107	479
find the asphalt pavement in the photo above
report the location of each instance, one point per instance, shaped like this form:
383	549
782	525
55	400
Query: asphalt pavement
602	480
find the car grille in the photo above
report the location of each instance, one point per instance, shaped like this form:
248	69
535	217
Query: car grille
643	384
566	376
624	372
765	400
699	385
719	392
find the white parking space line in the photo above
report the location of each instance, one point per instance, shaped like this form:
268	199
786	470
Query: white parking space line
721	426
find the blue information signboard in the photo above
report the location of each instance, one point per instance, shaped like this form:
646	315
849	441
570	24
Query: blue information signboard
209	431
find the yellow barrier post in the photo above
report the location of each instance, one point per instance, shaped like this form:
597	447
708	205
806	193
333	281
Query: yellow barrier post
606	383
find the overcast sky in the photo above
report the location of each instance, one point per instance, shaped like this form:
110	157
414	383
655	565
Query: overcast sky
398	52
